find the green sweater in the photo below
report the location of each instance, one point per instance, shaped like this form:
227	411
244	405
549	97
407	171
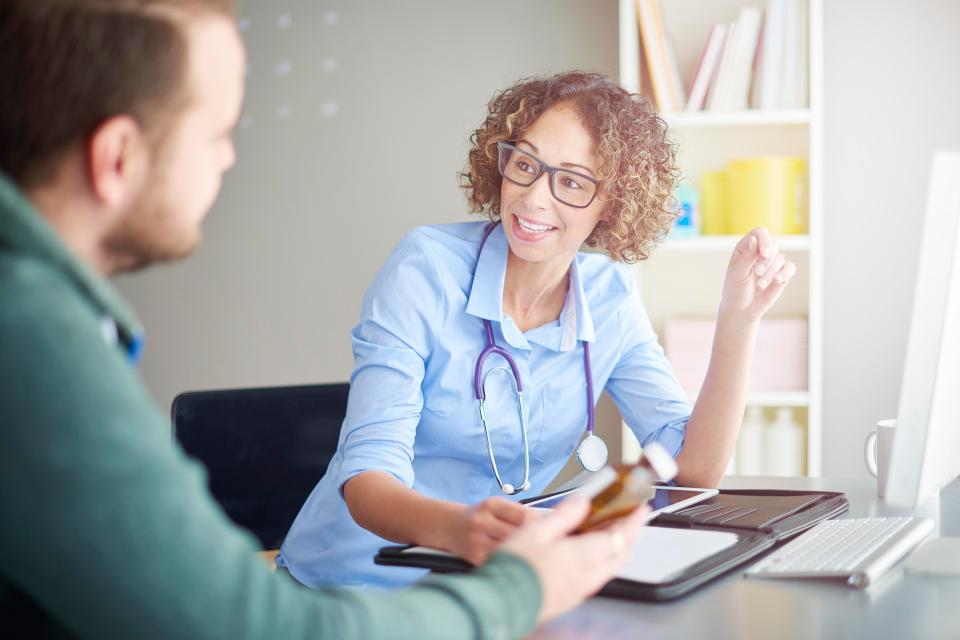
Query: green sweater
108	529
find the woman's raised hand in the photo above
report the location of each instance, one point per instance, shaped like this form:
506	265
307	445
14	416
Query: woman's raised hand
756	276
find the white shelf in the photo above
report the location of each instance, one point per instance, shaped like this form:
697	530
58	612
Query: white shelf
795	399
747	118
778	399
727	243
709	139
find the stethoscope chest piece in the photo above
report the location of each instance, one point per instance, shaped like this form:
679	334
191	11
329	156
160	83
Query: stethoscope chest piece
592	453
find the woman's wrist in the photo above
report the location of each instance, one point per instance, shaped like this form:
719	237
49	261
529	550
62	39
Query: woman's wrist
734	340
736	318
443	530
735	330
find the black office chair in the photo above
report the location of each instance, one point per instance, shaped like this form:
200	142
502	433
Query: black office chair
264	449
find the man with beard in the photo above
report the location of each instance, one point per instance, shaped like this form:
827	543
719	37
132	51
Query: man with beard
115	131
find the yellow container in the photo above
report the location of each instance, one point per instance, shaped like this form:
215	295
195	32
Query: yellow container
713	203
770	192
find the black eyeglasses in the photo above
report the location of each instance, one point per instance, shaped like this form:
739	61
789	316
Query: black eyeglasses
523	168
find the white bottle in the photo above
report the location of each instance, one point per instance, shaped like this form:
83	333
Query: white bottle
751	443
784	445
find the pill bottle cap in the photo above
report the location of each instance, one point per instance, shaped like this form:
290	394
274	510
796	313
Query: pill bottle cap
660	461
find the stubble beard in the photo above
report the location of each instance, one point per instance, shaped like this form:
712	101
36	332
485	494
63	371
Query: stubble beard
150	231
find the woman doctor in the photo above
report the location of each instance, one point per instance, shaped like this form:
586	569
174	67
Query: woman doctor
471	311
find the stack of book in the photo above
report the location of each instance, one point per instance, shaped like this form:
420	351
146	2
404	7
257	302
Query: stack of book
758	60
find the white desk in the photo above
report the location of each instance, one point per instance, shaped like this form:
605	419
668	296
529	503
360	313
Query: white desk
899	605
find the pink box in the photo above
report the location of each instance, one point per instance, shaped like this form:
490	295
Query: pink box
779	359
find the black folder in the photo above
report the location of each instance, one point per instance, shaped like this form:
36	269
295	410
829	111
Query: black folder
760	519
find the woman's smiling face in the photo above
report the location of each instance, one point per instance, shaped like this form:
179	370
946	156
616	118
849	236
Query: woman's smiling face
539	227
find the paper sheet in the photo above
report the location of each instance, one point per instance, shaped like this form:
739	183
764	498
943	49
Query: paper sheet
661	553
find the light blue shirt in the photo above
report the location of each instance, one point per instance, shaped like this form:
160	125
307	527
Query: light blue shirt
412	410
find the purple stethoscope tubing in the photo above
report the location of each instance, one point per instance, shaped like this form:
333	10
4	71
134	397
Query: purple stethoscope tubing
491	348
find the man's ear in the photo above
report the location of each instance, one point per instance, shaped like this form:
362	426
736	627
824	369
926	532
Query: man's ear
117	158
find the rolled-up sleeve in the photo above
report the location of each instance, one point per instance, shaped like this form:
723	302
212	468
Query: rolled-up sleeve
401	315
643	384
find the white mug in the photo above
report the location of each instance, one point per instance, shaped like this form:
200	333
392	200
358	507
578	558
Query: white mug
876	452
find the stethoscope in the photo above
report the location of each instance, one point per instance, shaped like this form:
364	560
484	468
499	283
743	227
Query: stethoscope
592	452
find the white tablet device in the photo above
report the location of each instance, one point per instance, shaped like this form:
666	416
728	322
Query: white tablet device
665	500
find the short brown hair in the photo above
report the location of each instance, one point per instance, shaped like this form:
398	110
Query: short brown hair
68	65
637	167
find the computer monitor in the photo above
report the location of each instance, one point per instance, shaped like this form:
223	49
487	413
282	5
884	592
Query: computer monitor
926	445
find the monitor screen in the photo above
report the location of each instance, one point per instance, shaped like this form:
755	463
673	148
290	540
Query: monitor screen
926	445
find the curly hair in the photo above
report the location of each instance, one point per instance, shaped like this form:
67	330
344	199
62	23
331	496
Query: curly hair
637	162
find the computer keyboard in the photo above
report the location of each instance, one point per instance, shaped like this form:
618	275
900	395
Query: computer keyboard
857	549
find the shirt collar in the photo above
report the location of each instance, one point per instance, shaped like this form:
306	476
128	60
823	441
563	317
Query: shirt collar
25	231
486	296
486	292
582	321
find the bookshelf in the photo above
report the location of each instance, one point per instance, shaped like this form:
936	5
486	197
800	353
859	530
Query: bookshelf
726	243
747	118
683	277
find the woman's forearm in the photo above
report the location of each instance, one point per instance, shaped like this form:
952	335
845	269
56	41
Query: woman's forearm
711	433
387	507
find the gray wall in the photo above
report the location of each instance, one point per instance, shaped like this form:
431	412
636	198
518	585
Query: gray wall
316	201
891	97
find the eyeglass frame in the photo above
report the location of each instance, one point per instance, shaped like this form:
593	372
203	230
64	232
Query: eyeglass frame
543	168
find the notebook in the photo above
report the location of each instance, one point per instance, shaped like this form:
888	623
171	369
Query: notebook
681	551
660	555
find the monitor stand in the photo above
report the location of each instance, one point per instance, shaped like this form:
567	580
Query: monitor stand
936	557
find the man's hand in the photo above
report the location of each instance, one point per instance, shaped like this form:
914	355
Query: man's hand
572	568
